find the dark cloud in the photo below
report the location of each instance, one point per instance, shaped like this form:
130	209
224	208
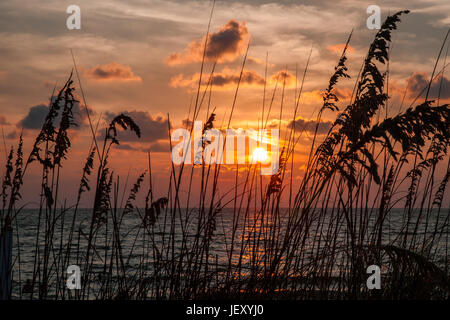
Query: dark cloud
418	83
225	45
159	146
187	123
248	77
3	121
12	135
310	126
152	128
227	40
36	117
111	72
125	146
228	79
155	147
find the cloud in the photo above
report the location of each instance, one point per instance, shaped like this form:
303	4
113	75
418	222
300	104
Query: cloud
187	123
152	128
112	72
310	126
3	121
255	60
249	77
418	83
342	94
315	97
12	135
159	146
155	147
283	78
338	48
125	146
224	46
228	79
36	117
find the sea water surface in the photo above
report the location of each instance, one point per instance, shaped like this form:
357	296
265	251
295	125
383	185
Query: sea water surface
29	239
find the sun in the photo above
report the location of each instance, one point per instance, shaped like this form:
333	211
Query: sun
260	155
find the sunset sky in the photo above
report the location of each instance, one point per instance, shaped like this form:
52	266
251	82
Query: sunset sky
143	58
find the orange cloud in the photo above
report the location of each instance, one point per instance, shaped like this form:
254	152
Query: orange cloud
111	72
254	60
224	46
284	77
258	61
312	97
338	48
316	96
342	94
